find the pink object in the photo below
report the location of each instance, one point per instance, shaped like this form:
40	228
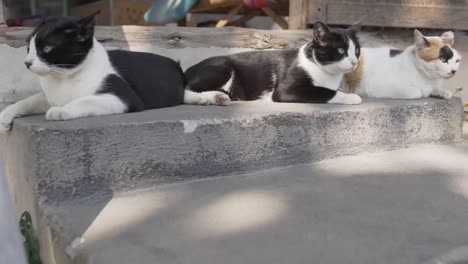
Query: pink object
256	3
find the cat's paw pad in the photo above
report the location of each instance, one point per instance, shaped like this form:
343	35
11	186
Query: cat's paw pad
222	99
57	113
6	119
352	99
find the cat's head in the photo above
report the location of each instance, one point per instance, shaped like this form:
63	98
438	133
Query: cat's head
436	56
336	50
60	44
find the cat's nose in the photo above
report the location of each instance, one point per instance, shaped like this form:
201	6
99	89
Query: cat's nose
28	64
453	72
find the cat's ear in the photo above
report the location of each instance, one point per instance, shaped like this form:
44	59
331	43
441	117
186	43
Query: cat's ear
356	27
320	32
448	38
86	27
420	41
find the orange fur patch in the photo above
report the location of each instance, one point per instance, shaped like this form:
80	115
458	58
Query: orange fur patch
433	51
353	79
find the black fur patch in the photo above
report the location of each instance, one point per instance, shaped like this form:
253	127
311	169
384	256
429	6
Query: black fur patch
394	52
260	72
446	53
335	40
64	42
156	80
117	86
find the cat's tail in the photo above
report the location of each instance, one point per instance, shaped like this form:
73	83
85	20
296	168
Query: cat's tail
206	98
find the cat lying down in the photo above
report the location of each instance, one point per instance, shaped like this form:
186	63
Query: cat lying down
80	78
416	72
309	74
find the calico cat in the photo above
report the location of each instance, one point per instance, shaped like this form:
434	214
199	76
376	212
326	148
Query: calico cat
80	78
310	74
416	72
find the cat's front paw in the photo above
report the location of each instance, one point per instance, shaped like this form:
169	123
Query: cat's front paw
445	94
352	99
57	113
6	119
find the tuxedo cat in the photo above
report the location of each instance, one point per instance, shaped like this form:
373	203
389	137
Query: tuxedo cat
80	78
416	72
310	74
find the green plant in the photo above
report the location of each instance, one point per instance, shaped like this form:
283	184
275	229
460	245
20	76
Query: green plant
31	243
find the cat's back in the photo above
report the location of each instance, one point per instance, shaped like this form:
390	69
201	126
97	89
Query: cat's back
153	77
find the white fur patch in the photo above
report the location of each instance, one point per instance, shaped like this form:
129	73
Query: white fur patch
227	86
318	74
84	80
206	98
404	76
93	105
36	104
344	98
266	97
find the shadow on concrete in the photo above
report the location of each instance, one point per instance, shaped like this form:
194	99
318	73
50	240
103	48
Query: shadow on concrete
404	206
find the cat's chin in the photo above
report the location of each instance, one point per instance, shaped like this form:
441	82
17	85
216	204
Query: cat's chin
40	73
448	76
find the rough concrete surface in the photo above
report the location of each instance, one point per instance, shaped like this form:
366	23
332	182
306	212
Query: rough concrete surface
11	246
73	159
406	206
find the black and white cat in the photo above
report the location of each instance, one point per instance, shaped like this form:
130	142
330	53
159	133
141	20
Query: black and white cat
80	78
310	74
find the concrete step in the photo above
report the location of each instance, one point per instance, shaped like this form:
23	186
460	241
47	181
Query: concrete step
76	159
403	206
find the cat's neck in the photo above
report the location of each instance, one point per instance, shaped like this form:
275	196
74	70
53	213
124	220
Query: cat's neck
417	62
84	80
318	74
95	64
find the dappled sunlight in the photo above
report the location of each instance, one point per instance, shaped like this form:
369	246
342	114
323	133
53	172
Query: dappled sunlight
400	160
237	212
125	212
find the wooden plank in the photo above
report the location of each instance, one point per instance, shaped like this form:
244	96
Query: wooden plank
130	12
166	37
2	18
398	15
298	14
84	10
317	10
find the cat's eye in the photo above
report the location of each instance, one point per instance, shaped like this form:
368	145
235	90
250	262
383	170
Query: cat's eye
457	61
47	49
341	51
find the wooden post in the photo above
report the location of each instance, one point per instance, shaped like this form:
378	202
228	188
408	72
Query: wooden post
317	11
298	13
230	16
277	19
2	17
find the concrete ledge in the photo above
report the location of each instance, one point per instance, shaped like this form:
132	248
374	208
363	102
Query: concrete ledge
74	159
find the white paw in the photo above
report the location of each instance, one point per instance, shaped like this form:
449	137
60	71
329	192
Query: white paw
222	99
57	113
6	119
214	98
352	99
446	94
